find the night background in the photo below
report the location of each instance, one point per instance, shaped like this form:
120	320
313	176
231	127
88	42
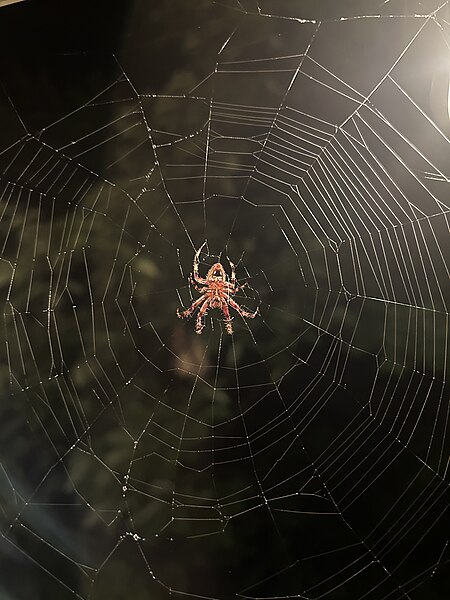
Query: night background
303	456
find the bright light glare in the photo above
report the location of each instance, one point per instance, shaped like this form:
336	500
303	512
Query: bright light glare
6	2
448	95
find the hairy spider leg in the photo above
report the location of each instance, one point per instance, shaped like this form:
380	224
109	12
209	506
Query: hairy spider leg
195	285
197	278
233	273
199	326
190	310
228	318
240	286
235	287
241	311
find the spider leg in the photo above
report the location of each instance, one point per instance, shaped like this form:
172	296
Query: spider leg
195	285
199	326
196	276
240	286
241	311
189	311
228	319
234	288
233	272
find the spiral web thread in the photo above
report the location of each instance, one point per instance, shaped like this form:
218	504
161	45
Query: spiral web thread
336	390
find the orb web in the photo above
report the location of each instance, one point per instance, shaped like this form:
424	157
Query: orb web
304	456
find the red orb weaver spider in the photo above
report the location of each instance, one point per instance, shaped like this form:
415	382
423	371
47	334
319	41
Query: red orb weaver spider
216	291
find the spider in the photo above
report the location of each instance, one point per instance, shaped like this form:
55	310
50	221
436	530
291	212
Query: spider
216	291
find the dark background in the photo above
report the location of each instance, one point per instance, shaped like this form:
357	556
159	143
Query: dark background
304	456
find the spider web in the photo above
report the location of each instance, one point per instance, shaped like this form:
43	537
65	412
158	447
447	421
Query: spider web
306	455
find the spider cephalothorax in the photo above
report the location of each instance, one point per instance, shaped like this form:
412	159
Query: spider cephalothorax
216	291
